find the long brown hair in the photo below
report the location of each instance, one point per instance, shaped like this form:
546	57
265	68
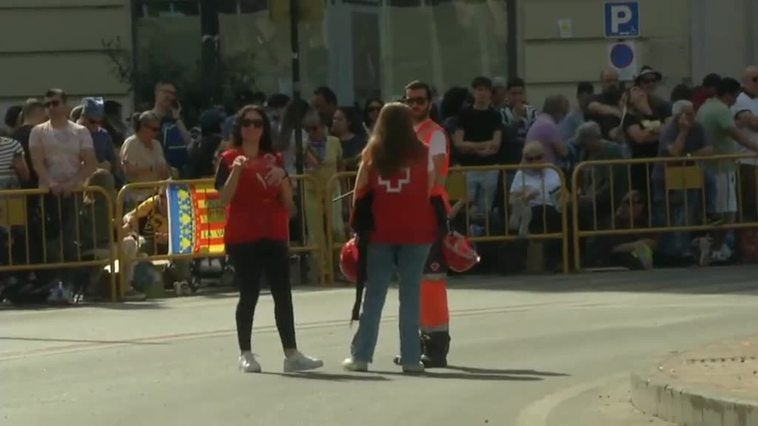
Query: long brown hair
393	143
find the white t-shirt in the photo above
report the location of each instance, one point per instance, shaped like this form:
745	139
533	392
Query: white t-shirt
746	103
534	181
62	148
437	145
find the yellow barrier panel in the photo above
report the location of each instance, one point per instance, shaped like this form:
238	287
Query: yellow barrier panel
197	232
662	195
458	192
68	231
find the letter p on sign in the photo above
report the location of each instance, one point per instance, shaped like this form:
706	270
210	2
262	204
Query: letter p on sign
622	19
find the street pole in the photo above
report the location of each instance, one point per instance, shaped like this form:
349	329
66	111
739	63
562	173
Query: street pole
298	129
209	29
296	96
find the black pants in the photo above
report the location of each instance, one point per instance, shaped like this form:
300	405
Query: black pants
250	260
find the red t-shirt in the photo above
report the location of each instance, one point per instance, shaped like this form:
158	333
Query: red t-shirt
402	210
255	211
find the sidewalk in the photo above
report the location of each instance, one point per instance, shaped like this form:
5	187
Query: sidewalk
716	385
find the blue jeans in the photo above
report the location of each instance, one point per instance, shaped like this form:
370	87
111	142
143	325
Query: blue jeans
676	243
482	189
383	259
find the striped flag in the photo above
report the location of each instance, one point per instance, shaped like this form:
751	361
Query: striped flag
196	219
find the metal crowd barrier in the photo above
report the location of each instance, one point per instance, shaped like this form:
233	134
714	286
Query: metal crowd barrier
199	222
660	195
489	226
40	231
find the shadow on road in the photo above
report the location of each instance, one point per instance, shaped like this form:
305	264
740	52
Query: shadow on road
709	280
457	373
97	342
331	377
475	370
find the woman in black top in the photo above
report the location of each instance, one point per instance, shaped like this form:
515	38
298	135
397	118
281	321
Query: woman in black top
642	130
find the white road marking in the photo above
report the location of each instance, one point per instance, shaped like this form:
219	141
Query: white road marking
537	413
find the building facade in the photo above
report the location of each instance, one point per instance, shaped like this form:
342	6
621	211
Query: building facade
59	43
365	48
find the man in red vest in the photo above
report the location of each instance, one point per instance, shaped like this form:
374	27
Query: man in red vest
434	316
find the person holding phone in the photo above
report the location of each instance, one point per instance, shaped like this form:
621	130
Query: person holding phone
173	134
258	197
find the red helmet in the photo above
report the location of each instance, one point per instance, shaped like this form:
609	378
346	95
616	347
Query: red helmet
459	254
349	260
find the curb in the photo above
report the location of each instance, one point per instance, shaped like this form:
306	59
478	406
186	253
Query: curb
653	393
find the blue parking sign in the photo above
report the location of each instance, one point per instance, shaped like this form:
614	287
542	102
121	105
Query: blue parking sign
622	19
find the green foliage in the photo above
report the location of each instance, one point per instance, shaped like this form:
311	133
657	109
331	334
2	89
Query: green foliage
199	87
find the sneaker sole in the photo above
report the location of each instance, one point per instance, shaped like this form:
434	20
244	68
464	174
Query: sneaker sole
295	370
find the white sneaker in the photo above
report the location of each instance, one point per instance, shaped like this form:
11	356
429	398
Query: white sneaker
248	364
351	364
301	362
414	368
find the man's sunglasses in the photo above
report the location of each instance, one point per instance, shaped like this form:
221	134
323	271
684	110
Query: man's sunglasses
252	122
53	103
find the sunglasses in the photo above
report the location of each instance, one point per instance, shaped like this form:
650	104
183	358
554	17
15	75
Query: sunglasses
252	122
53	103
533	158
416	101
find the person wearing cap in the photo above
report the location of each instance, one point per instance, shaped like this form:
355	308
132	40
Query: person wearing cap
92	113
648	80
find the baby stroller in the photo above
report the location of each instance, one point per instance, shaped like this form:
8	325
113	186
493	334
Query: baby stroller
213	271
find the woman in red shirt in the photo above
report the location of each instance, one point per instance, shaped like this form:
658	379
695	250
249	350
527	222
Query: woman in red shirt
253	186
397	171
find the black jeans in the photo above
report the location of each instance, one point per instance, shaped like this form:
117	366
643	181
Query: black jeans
250	261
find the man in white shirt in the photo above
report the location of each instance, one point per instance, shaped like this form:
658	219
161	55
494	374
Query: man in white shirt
434	315
63	157
746	109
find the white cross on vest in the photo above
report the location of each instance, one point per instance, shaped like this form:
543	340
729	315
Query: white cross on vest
396	186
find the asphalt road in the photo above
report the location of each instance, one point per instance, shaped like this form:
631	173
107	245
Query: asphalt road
526	351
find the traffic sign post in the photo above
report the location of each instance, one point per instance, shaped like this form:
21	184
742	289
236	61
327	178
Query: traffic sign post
622	19
622	56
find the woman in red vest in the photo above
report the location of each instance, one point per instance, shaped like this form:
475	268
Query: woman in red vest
397	172
253	185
